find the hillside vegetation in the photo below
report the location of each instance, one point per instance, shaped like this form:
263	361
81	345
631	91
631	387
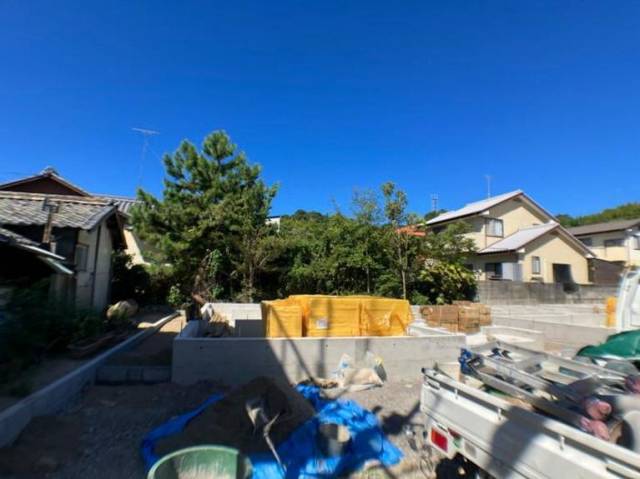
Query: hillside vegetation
627	211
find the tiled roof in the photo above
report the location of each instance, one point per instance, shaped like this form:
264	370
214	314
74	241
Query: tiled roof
619	225
73	211
474	208
48	172
9	236
519	239
18	241
124	203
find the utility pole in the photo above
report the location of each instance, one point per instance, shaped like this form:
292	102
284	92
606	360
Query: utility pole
146	133
488	178
434	202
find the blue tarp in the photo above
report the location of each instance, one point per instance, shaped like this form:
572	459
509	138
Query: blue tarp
299	452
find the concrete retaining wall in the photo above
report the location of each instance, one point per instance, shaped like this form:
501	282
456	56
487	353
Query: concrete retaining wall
569	335
237	360
514	292
54	397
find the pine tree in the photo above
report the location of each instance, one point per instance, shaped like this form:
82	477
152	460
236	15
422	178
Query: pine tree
210	218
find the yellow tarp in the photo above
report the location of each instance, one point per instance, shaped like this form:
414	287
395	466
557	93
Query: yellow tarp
282	319
335	316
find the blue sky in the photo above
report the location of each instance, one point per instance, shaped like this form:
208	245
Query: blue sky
330	96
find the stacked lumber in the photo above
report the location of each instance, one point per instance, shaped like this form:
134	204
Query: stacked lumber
468	320
441	316
460	317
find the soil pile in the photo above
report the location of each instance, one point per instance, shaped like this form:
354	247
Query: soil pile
227	423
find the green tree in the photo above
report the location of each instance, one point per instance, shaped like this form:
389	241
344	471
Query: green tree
403	246
444	276
368	216
213	208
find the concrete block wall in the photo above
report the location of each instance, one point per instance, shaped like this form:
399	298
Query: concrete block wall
235	311
237	360
515	292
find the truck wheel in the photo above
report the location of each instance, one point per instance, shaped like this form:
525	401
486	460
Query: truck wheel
457	468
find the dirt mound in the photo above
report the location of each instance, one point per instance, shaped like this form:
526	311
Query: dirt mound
227	423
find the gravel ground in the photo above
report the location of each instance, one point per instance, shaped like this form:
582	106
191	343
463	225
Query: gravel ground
101	434
99	437
397	406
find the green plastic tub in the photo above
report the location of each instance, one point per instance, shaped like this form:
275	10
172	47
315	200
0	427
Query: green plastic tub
202	462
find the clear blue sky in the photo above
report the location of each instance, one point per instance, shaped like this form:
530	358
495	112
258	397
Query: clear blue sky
332	95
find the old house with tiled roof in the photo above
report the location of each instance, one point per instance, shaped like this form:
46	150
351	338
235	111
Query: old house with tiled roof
80	230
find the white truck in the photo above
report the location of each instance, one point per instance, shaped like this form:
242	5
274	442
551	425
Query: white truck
503	440
628	307
472	431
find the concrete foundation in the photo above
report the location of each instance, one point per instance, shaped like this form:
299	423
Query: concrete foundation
527	338
568	326
237	360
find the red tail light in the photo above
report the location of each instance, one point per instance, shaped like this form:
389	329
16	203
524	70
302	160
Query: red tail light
439	440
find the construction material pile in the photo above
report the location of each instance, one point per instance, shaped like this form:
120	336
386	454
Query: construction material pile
601	402
460	317
290	443
335	316
227	422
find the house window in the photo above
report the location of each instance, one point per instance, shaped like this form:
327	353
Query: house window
610	243
587	241
82	253
493	270
535	265
495	227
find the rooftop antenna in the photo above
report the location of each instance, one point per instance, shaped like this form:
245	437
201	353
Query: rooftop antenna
488	178
146	133
434	202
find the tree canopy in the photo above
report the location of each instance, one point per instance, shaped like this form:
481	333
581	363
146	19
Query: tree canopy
210	226
627	211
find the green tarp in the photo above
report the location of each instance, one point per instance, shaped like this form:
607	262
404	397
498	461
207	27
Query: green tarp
619	346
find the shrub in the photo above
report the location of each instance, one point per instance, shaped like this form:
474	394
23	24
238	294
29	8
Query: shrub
442	282
176	297
35	325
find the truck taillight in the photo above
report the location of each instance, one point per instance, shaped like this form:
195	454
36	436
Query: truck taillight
439	440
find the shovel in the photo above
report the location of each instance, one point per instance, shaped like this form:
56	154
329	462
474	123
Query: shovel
256	411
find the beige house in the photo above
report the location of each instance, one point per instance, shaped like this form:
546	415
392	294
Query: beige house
518	240
615	241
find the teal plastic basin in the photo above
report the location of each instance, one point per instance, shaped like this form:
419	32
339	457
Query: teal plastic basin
202	462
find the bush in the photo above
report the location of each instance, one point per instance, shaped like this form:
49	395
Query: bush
441	283
129	280
147	284
35	325
176	298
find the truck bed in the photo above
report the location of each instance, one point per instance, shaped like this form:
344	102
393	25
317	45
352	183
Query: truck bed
508	441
